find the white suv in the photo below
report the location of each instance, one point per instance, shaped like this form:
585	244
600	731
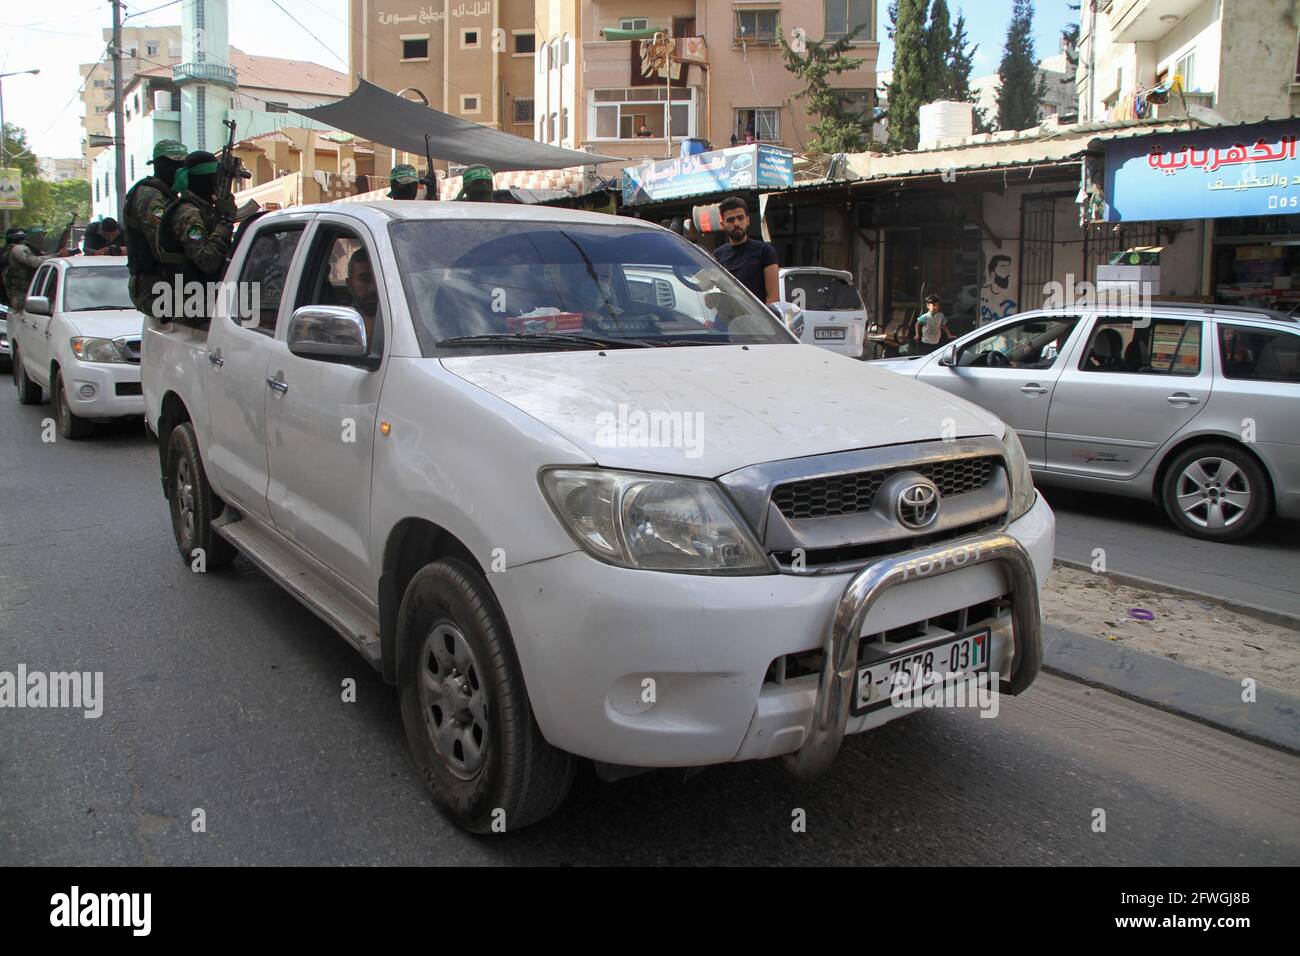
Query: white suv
78	337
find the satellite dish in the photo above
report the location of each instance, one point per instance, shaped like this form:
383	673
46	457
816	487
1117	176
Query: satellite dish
1203	114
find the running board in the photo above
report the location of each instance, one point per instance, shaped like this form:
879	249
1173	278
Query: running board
300	577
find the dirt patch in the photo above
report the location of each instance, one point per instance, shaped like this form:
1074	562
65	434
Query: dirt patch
1185	629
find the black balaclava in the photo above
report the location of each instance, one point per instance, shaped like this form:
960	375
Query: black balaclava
404	190
165	169
201	173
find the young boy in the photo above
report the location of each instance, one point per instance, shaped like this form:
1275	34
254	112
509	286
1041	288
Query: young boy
931	326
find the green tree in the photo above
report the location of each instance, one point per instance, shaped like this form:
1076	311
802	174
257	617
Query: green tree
18	154
837	128
1020	86
52	204
1071	37
938	50
961	64
910	85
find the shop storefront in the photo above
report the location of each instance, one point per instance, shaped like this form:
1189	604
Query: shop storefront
1243	179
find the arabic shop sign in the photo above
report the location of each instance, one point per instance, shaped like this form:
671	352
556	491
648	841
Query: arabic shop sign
740	167
1208	174
427	14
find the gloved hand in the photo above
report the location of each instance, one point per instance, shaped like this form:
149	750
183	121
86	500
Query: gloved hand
226	207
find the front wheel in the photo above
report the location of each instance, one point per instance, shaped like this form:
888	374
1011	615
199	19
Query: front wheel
1217	492
71	425
193	505
467	716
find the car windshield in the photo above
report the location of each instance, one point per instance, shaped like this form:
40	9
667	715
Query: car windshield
819	292
93	288
494	284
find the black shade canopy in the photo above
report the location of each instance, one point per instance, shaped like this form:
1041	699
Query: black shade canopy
373	113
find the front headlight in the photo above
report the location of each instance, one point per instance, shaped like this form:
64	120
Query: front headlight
96	350
653	523
1022	481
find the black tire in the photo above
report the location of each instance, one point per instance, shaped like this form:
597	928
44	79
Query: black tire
511	776
1216	491
29	393
193	505
71	425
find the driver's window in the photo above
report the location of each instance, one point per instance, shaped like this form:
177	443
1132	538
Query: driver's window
340	272
1029	344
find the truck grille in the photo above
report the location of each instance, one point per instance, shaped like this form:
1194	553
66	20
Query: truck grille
130	349
854	493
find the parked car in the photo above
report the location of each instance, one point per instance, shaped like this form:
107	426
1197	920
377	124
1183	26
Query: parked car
1196	407
653	536
5	353
829	310
78	337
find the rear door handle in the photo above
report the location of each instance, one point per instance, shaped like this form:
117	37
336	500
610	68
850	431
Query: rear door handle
1182	398
1033	388
214	357
278	384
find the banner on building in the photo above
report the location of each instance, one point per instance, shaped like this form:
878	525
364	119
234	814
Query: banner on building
1205	174
11	188
739	167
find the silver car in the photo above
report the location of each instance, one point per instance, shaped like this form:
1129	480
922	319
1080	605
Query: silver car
1194	406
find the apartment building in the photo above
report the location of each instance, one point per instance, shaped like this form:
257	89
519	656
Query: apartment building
143	48
469	58
1239	58
601	83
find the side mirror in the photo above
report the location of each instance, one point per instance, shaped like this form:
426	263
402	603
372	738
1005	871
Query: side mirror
330	333
948	357
37	305
791	316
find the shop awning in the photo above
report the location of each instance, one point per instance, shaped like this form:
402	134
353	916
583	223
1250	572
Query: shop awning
373	113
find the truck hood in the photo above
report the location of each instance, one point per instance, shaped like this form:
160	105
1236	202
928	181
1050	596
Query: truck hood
107	324
708	410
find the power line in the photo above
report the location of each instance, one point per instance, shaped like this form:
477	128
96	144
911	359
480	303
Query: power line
140	13
310	34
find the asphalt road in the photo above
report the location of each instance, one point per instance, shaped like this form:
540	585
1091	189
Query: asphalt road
222	693
1263	570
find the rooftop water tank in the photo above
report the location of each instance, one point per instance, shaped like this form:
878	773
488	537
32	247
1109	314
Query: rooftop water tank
945	121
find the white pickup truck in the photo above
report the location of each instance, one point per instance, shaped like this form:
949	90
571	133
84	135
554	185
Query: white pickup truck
569	521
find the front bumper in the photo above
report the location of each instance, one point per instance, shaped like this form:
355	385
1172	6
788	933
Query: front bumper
117	389
661	670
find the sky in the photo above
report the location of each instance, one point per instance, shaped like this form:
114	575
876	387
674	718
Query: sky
47	105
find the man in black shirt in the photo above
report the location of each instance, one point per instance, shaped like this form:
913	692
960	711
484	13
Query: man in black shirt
751	261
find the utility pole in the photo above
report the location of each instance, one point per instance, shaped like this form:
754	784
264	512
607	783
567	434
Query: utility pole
119	122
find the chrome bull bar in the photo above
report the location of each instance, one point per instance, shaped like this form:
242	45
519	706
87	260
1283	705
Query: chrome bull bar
840	665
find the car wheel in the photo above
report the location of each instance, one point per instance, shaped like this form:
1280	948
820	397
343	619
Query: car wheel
193	505
70	424
1217	492
29	393
467	716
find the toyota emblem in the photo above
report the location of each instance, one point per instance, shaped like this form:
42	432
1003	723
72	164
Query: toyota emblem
918	505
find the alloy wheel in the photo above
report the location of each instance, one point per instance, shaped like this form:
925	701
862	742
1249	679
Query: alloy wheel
1213	493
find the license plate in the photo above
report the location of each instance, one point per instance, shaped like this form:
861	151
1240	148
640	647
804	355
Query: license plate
945	658
828	333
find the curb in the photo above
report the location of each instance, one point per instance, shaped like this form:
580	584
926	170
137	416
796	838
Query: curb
1281	618
1214	699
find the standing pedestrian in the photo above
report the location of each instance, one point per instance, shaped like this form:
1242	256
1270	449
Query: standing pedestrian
931	326
24	258
752	261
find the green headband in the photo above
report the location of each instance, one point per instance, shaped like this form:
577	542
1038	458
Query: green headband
203	169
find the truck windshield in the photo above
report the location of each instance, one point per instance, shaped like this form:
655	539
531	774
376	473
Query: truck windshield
821	292
92	288
495	284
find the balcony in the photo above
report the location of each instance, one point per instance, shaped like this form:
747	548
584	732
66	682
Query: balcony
1141	21
609	62
205	73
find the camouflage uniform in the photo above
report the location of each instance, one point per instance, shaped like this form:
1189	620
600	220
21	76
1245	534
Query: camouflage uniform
146	202
20	265
193	241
